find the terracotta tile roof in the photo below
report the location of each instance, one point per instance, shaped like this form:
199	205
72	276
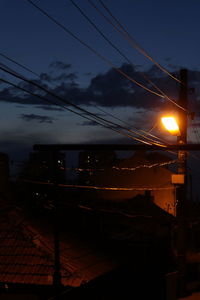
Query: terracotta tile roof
26	256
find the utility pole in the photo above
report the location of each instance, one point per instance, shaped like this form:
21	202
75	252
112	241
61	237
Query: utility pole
57	284
182	188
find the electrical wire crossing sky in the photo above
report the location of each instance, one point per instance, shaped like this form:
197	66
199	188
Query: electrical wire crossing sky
94	71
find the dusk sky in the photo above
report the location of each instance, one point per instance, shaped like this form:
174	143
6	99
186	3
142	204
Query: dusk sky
167	30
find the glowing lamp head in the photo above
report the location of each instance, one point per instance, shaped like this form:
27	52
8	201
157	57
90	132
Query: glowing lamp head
171	125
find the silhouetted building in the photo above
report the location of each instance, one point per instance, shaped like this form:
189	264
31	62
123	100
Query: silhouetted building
91	162
44	166
141	174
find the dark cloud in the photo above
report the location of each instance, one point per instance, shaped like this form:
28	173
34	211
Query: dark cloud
50	107
46	77
61	77
112	89
172	66
20	106
38	118
88	123
88	74
108	89
59	65
33	88
13	95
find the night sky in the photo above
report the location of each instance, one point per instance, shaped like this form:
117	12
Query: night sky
167	30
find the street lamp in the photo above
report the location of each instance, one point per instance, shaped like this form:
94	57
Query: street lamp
170	123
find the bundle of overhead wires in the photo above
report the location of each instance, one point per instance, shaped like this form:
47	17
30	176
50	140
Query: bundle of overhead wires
126	130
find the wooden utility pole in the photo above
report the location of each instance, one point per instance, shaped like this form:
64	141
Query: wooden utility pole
182	188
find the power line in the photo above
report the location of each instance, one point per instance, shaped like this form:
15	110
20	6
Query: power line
130	41
95	52
73	105
136	45
117	49
93	115
24	67
91	187
42	97
20	65
5	66
146	133
76	106
133	131
100	32
99	55
79	114
52	94
107	39
68	102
